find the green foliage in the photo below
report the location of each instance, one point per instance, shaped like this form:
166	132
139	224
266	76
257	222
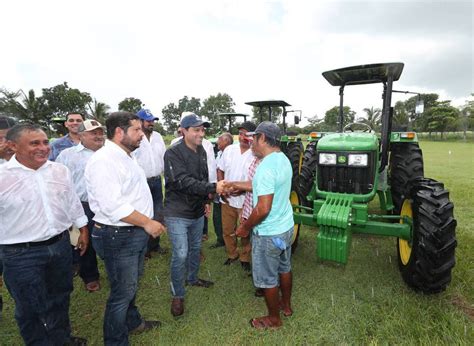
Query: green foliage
61	99
440	118
400	116
212	106
331	118
172	113
99	111
130	104
373	118
23	106
262	114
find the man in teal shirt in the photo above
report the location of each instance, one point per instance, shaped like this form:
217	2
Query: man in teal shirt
272	224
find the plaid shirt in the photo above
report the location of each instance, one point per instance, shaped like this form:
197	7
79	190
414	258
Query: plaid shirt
248	203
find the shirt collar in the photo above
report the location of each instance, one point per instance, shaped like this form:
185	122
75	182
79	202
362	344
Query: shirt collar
13	163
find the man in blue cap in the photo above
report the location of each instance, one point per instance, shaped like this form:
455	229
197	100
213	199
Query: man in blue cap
150	157
188	195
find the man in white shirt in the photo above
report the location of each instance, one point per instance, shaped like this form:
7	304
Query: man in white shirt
150	157
121	201
233	166
223	142
38	204
91	133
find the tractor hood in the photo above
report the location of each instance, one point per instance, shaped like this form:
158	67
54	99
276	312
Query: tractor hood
348	142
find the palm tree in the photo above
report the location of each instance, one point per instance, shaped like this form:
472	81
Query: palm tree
99	111
373	118
29	107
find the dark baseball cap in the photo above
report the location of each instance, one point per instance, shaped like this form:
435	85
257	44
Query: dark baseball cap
248	125
192	120
269	129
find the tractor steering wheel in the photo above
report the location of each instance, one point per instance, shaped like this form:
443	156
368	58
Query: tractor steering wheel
349	127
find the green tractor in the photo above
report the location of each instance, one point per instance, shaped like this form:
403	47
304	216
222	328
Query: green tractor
352	167
291	145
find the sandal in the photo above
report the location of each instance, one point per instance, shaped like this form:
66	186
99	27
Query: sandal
93	286
264	323
287	312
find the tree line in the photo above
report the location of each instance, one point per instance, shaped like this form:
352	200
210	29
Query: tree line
49	109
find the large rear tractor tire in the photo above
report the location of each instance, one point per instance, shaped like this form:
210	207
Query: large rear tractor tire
426	261
308	172
295	155
295	200
406	164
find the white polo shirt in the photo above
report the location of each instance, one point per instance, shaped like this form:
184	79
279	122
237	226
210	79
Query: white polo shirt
150	155
36	205
75	158
235	166
116	186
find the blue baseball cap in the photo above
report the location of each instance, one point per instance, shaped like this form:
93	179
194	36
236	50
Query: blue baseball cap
146	115
192	120
269	129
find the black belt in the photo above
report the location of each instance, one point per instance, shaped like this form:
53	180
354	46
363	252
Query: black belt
154	178
101	225
50	241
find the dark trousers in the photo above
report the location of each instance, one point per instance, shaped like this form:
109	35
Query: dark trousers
217	220
39	280
123	251
88	262
156	190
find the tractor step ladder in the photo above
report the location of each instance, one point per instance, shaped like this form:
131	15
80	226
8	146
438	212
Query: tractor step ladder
334	220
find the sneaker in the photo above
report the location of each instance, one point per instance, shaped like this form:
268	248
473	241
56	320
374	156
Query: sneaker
145	325
201	283
245	266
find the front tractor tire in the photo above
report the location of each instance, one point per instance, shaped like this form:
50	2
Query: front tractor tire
308	172
406	164
426	261
294	152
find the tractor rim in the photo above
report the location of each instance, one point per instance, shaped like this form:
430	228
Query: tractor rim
404	247
294	200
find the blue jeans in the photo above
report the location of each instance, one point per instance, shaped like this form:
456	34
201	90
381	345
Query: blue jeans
185	236
156	190
39	279
123	251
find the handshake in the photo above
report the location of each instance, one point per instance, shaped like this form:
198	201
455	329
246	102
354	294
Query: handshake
229	188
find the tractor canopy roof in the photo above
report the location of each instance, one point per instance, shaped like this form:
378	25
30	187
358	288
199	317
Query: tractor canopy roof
268	103
364	74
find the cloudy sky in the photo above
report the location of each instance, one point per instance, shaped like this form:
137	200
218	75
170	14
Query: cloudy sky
159	51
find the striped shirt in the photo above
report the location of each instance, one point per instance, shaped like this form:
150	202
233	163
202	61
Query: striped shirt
247	207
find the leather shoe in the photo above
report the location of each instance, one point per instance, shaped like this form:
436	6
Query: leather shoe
76	341
145	325
245	266
229	261
201	283
177	307
259	292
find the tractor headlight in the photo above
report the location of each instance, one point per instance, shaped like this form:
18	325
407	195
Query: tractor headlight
327	159
359	160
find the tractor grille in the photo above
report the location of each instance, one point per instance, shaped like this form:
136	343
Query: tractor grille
347	179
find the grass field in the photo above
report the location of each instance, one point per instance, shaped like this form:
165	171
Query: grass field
364	302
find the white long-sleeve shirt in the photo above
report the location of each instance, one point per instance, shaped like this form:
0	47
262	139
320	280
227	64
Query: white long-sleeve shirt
36	205
116	186
75	158
150	155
